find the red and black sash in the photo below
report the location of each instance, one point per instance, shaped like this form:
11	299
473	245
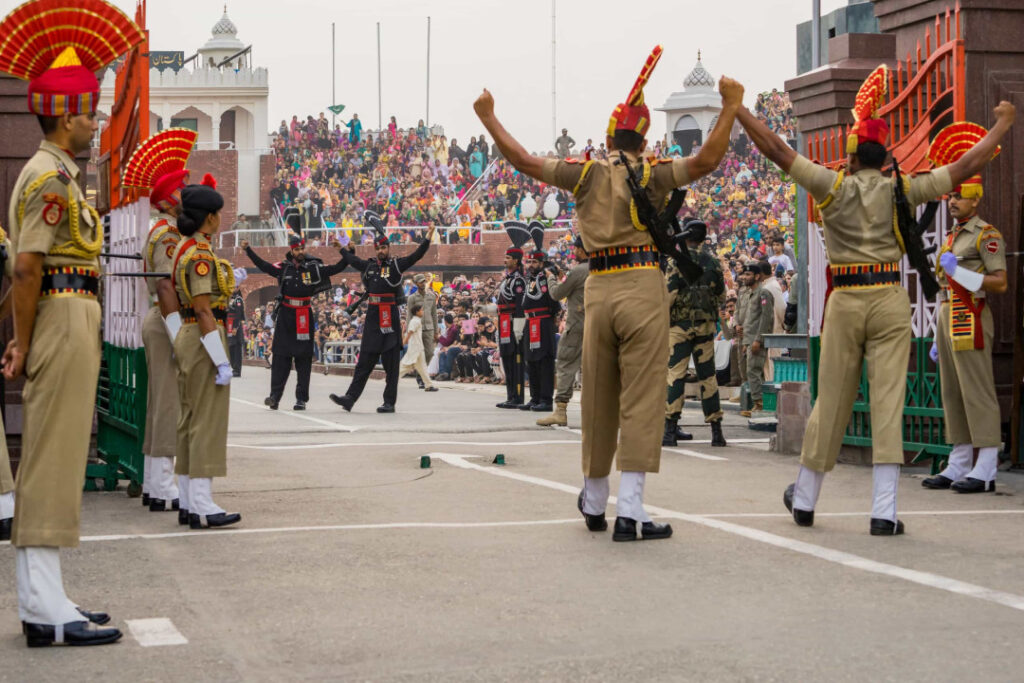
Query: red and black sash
383	302
302	315
534	316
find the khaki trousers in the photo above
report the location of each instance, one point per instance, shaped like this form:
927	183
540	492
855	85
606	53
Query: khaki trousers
968	386
162	393
429	343
6	478
567	364
870	325
59	400
202	451
625	351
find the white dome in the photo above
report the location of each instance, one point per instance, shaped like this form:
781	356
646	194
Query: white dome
224	40
225	26
699	78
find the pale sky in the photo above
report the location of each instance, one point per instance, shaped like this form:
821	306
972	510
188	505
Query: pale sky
505	46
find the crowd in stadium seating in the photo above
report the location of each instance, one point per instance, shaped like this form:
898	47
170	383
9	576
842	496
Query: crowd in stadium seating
414	176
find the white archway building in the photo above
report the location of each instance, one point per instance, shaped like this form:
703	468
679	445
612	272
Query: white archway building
690	114
226	105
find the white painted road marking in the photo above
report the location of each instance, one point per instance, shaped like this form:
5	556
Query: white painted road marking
818	513
694	454
155	632
364	444
837	556
233	531
302	416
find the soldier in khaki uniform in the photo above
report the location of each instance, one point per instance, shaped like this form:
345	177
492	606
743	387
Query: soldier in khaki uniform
760	321
6	477
868	313
204	284
625	340
570	345
158	165
57	236
972	264
693	318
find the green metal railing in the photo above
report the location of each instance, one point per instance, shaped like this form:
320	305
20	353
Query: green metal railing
121	418
923	421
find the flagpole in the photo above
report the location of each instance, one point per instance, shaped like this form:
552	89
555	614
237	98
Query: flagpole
428	73
380	113
334	99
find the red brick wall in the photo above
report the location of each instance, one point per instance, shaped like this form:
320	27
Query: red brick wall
222	165
267	168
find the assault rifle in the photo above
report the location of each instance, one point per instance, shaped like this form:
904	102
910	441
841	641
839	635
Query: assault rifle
912	231
663	227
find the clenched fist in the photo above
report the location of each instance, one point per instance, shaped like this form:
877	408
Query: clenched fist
244	244
731	91
1006	111
484	105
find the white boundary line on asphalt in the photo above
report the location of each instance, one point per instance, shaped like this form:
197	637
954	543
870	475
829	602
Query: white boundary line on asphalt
234	531
309	418
450	442
693	454
839	557
923	513
155	632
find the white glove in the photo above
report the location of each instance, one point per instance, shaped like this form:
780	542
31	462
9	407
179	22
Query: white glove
933	353
240	275
215	350
223	375
173	324
970	279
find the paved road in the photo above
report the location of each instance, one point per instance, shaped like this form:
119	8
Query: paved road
352	563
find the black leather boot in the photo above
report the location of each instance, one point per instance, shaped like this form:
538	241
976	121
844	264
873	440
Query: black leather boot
717	438
669	438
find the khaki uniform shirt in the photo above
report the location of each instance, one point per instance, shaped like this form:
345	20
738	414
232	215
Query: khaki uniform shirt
760	318
857	208
603	198
571	289
428	300
49	215
977	246
160	247
196	273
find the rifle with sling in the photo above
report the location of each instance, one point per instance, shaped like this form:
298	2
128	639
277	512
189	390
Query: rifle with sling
912	231
664	226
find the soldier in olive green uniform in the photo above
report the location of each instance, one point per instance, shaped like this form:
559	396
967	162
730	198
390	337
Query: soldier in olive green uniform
625	340
427	299
972	264
570	345
204	285
693	319
6	477
868	313
760	321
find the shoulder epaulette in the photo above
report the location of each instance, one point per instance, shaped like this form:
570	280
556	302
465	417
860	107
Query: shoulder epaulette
661	161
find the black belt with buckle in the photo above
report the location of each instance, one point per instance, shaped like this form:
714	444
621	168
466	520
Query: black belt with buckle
55	283
188	315
296	303
623	259
865	279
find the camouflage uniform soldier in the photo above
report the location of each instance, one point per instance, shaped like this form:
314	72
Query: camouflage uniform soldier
760	320
693	322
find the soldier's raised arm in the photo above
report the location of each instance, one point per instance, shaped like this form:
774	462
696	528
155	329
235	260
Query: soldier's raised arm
717	144
510	148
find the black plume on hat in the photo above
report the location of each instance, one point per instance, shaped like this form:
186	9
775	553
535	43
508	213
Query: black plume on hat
537	233
374	221
518	232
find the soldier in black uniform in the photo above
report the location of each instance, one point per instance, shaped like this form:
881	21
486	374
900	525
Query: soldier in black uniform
301	278
539	341
510	315
235	333
382	332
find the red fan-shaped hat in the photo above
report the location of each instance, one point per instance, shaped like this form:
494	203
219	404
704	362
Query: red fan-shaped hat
633	113
867	127
59	45
159	163
950	144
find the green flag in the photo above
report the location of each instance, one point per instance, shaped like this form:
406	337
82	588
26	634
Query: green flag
337	108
